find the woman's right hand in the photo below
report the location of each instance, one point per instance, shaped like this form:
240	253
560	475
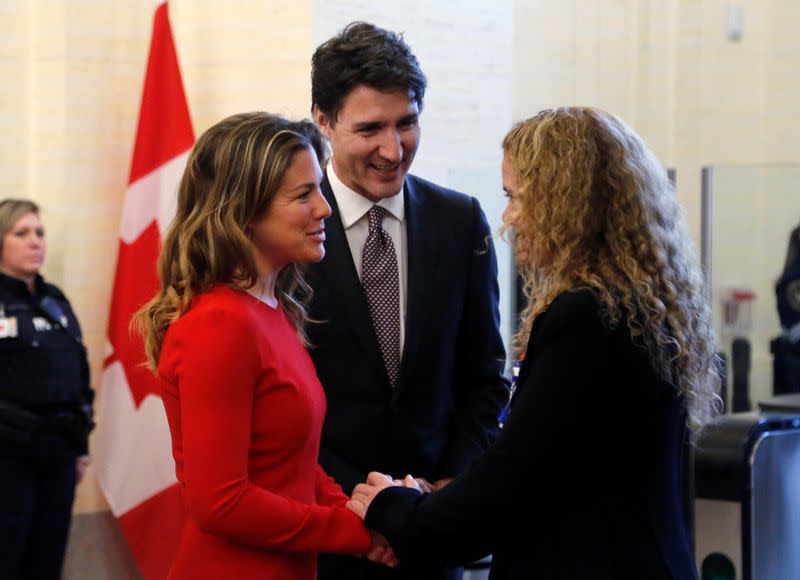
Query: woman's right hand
381	552
364	493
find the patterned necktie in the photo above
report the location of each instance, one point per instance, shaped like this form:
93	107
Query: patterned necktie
381	284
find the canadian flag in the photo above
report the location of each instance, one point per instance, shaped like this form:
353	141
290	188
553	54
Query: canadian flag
132	450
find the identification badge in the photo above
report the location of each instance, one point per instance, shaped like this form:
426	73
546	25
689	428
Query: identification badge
8	327
41	324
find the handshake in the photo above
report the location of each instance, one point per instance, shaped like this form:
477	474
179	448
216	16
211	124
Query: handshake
363	494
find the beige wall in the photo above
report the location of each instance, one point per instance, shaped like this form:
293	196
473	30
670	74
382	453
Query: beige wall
782	83
72	74
668	69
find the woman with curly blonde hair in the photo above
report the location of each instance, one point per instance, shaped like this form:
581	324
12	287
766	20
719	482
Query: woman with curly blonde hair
224	336
604	217
586	479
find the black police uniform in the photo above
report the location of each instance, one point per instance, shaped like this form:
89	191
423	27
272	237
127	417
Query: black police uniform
45	419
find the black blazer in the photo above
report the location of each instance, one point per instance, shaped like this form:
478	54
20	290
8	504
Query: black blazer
585	480
451	387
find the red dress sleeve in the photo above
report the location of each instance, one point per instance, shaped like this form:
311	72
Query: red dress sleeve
329	493
219	366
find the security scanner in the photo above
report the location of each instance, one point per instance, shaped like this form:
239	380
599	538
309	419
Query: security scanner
782	404
747	483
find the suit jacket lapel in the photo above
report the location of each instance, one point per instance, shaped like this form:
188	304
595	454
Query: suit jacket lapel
421	259
340	273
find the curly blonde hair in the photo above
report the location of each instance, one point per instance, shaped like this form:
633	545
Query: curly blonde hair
229	182
596	210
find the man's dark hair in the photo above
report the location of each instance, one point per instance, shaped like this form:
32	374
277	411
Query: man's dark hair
363	54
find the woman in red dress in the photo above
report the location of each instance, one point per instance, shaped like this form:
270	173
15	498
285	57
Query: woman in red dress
225	337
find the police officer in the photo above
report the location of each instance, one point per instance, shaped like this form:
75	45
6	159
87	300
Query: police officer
45	402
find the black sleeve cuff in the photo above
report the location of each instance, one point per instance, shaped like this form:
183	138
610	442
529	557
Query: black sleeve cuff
391	513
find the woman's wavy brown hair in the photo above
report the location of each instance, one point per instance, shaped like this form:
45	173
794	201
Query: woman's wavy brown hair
596	210
229	182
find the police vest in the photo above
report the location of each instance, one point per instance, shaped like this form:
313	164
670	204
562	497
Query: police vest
42	359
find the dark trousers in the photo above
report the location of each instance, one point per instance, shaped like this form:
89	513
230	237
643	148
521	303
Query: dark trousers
37	487
335	567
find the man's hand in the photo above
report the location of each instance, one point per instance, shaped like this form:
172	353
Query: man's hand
414	483
423	484
441	483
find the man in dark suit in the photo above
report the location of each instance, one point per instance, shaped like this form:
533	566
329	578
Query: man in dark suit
407	346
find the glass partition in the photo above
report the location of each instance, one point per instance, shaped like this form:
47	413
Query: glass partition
748	214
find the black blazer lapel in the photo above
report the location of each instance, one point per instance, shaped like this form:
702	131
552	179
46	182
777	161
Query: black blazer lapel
339	273
421	231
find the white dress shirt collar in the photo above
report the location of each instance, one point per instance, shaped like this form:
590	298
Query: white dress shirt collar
353	206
